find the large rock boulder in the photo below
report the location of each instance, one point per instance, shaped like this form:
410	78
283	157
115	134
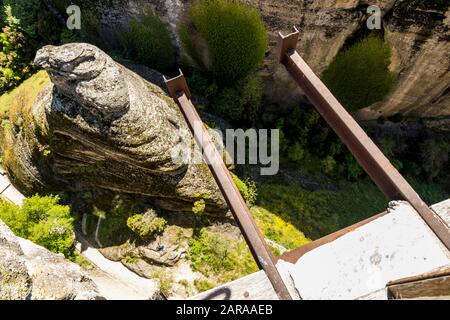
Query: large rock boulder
29	271
99	125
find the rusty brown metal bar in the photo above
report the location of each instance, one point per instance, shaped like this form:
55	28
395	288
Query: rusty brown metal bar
368	155
179	91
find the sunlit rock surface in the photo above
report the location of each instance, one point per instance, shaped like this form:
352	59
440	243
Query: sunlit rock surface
100	125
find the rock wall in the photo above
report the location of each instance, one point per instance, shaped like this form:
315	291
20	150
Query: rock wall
416	30
419	38
31	272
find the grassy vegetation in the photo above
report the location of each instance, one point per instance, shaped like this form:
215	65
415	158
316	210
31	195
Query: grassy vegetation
220	257
360	75
278	230
203	285
22	96
235	36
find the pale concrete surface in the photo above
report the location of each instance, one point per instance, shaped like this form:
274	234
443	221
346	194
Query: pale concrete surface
362	262
255	286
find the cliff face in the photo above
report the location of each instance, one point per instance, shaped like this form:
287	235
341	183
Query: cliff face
417	32
419	37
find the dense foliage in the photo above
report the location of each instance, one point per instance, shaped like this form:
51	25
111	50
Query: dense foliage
220	257
360	76
322	212
247	189
41	220
15	57
12	65
25	13
308	143
239	103
148	41
234	34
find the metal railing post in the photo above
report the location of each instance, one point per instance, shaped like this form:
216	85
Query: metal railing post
179	91
368	155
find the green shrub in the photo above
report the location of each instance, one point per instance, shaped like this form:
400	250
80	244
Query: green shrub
247	189
360	76
234	34
146	225
199	207
352	167
43	221
148	41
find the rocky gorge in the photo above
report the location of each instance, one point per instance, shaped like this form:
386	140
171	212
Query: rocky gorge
96	128
416	31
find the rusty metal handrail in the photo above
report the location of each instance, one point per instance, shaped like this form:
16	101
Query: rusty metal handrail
368	155
179	91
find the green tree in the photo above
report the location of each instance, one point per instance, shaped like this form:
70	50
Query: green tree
43	221
360	75
14	66
146	225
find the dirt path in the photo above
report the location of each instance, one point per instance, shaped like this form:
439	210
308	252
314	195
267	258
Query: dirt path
113	279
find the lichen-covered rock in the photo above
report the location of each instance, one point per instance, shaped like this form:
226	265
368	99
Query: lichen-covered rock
164	250
103	126
28	271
